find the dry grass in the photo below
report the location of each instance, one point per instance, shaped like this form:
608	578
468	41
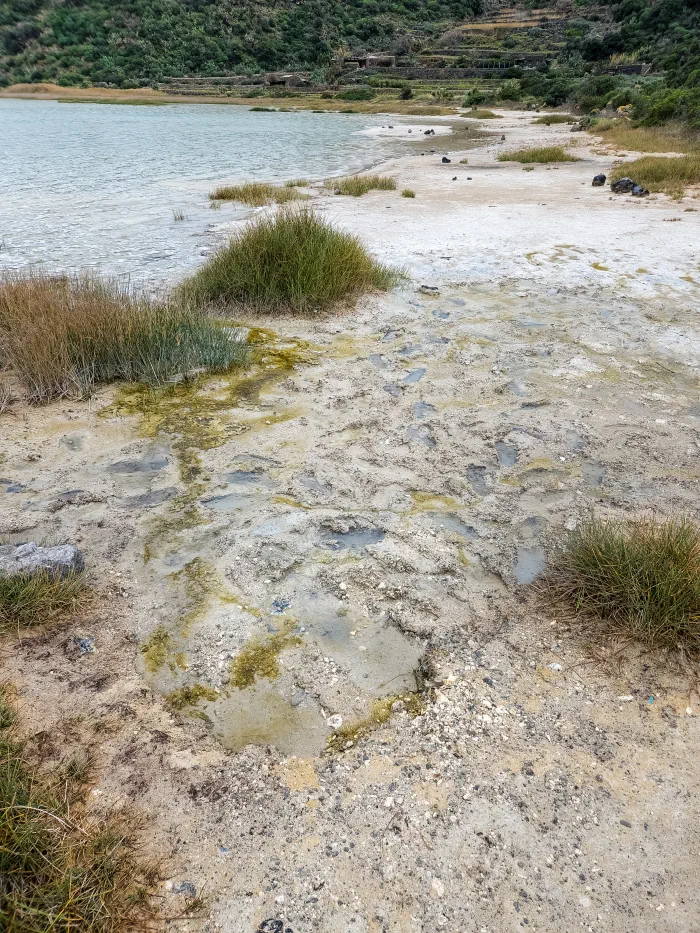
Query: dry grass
256	194
357	185
637	580
539	154
620	134
663	174
297	183
6	397
293	261
38	599
62	336
408	193
62	870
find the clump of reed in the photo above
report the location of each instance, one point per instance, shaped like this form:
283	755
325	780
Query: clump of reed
666	174
357	185
61	336
538	154
297	183
38	599
62	869
552	118
638	580
292	261
408	193
256	194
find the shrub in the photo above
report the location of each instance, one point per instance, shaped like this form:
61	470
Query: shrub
27	600
662	174
538	154
357	185
62	336
406	93
256	194
62	871
510	90
293	261
358	93
408	193
640	579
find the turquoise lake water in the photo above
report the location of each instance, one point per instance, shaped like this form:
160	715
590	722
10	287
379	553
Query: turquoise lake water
95	186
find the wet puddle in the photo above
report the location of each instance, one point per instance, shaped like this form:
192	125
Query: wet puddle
453	523
477	480
355	540
529	565
507	454
415	375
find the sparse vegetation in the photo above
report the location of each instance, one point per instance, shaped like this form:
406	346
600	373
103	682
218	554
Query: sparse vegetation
256	194
62	336
6	398
670	175
29	600
552	118
538	154
408	193
178	215
297	183
636	580
62	870
294	261
357	185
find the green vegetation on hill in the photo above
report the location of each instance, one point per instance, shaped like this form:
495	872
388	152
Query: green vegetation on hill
127	42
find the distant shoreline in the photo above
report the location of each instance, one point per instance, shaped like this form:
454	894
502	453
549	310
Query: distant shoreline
149	97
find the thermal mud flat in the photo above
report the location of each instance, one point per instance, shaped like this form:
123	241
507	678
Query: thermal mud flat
320	668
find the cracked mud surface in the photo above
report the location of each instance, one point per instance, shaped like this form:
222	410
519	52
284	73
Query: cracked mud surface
290	552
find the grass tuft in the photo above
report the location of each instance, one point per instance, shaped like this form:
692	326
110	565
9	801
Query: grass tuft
638	579
538	154
178	215
357	185
38	599
549	119
62	336
669	175
482	115
297	183
61	870
408	193
256	194
293	261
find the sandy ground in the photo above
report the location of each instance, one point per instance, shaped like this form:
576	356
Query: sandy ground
367	506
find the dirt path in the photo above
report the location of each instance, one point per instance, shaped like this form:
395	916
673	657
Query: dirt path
356	517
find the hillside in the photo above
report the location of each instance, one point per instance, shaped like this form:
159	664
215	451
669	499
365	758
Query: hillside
123	41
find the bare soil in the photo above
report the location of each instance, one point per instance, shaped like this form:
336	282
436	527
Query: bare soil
354	522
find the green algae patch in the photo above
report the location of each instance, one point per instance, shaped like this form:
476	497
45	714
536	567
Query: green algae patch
380	713
190	696
260	658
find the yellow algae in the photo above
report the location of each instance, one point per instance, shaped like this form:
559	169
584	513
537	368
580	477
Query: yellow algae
190	696
380	713
198	415
260	657
599	267
155	650
202	588
428	501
